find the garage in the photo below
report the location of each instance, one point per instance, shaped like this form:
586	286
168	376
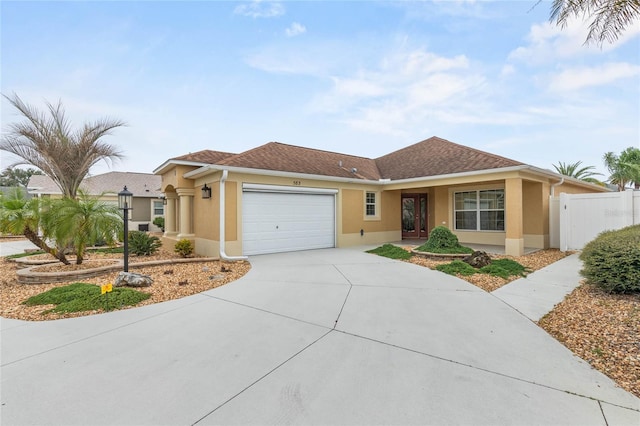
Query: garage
281	218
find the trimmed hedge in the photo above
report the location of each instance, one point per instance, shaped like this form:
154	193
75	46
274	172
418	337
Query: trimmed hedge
612	260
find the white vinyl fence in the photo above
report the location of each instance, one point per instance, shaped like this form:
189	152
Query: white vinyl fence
576	219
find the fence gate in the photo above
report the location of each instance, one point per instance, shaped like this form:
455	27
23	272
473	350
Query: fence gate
583	216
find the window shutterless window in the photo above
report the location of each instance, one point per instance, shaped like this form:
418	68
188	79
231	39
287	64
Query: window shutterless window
158	208
370	204
479	210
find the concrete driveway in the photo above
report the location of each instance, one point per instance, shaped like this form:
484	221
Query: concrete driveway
332	336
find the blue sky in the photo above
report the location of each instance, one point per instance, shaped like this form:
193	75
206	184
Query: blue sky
361	77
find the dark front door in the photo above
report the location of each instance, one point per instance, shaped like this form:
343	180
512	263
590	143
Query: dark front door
414	216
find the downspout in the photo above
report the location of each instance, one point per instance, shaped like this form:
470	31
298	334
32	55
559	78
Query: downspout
223	255
553	186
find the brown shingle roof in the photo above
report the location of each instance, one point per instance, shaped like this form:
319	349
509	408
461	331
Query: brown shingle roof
205	156
431	157
289	158
436	156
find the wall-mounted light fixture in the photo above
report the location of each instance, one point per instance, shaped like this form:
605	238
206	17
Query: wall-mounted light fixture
164	200
206	191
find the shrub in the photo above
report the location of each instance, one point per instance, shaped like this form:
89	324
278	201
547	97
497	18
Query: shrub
612	260
391	251
184	247
456	267
143	244
159	222
442	240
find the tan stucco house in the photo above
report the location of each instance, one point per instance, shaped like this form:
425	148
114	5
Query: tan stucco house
279	197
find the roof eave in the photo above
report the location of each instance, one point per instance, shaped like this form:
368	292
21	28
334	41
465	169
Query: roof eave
167	164
215	168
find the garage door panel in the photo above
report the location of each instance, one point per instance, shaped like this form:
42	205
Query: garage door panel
278	222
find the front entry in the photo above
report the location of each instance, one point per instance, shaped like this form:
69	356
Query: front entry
414	216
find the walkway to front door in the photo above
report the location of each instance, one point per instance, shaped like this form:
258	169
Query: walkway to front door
414	216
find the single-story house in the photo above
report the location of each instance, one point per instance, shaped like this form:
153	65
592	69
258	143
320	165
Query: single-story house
147	200
280	197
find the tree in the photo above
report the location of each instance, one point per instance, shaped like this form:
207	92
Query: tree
610	17
12	176
48	142
83	221
22	216
624	168
575	171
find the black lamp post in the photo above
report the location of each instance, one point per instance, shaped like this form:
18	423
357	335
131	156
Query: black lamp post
124	203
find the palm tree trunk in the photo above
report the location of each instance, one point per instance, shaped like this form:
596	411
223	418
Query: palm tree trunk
35	239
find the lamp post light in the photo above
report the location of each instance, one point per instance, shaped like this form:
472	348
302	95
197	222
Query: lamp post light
124	203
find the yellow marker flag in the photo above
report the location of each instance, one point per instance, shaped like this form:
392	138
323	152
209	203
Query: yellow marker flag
109	287
103	289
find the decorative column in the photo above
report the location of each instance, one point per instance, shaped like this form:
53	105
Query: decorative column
186	212
514	241
170	223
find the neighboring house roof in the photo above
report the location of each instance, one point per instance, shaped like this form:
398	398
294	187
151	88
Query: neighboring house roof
140	184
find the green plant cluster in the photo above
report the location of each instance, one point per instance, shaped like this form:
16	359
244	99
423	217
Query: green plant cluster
184	247
143	244
391	251
503	268
612	260
79	297
159	222
442	240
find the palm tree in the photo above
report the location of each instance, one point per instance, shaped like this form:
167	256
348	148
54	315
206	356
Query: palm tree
84	221
49	143
610	17
624	168
22	216
573	170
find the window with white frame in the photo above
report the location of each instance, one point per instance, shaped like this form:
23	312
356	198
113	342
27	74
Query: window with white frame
370	204
158	208
479	210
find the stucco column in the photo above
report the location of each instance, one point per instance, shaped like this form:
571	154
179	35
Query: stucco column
186	214
514	241
170	225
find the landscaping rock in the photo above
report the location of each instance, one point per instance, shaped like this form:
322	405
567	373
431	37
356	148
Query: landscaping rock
132	279
478	259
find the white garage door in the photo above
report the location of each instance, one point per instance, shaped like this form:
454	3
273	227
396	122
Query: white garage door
276	219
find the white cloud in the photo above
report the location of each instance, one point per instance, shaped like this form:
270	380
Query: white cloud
578	78
260	9
295	29
547	42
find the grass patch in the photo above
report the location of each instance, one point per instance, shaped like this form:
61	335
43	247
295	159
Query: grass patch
503	268
391	251
457	267
79	297
19	255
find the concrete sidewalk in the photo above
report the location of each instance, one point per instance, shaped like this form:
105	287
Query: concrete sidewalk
332	336
536	294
